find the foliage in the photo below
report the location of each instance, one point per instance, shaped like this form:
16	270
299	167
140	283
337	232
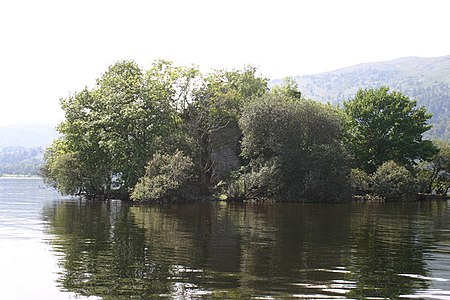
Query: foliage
300	139
113	129
74	172
166	176
225	92
434	174
258	181
386	126
117	137
360	181
394	182
424	79
61	172
289	88
216	106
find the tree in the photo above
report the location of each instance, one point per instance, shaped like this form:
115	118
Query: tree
386	126
111	131
297	142
435	173
64	171
215	108
77	163
289	88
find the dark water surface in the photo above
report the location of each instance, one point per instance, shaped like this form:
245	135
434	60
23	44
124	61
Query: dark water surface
60	248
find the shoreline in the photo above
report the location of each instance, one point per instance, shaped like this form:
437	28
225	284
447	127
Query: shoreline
12	176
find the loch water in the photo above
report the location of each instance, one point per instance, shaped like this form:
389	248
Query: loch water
54	247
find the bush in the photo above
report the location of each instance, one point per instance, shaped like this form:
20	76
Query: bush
394	182
167	177
253	182
294	150
360	182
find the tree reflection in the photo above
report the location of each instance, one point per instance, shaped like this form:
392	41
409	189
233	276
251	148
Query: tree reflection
387	242
103	252
223	250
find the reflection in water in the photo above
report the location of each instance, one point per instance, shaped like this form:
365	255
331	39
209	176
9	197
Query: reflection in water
220	250
27	267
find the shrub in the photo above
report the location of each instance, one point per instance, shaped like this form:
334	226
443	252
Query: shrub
253	182
166	177
360	182
394	182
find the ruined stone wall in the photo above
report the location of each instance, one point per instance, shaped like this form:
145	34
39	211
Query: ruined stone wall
225	149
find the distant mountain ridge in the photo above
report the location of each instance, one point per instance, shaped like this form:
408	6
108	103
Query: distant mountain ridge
426	80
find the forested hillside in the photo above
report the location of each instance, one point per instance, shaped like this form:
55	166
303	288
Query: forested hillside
426	80
22	147
20	160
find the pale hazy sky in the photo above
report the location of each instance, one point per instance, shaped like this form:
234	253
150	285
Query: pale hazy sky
51	48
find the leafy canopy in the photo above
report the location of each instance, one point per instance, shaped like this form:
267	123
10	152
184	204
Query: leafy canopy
383	126
112	130
434	174
166	176
394	182
298	143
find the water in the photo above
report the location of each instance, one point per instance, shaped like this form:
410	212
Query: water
62	248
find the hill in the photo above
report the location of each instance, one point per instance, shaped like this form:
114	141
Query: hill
20	160
426	80
22	147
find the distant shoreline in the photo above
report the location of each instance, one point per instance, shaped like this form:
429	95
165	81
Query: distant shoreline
12	176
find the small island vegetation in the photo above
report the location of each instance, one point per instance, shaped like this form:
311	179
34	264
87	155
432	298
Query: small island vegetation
171	133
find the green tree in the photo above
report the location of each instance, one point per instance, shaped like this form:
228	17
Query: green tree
72	175
111	131
77	163
289	88
216	106
435	173
298	143
386	126
227	91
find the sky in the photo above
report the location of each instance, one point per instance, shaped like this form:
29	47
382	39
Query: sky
52	48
